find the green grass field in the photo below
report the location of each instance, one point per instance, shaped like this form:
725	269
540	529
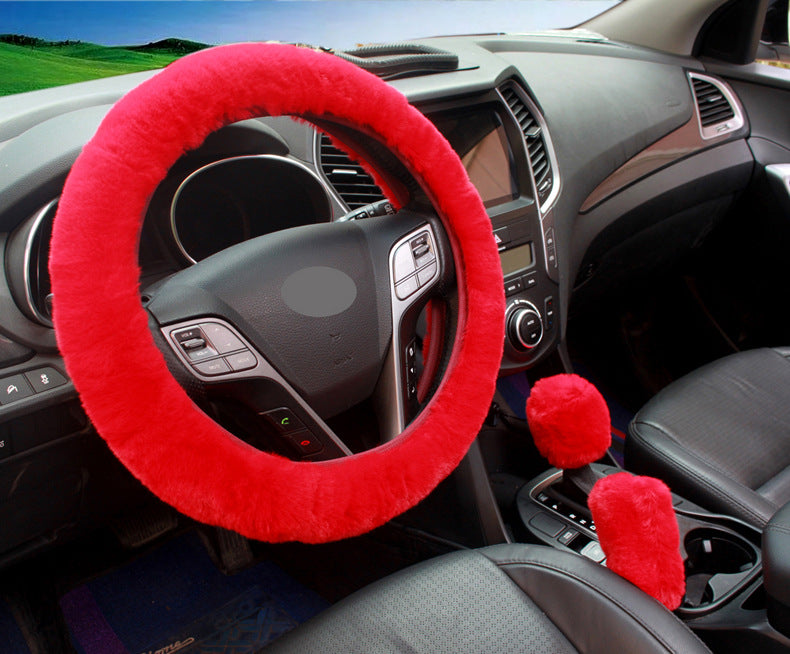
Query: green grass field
39	66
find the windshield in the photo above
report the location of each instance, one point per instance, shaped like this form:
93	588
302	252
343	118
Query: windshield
44	44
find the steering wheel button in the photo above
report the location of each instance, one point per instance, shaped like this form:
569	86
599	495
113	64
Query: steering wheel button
44	378
284	420
212	368
403	263
221	338
14	388
188	334
306	442
242	360
427	274
193	344
407	288
201	354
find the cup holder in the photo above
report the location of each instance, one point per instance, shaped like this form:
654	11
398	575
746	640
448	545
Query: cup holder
717	561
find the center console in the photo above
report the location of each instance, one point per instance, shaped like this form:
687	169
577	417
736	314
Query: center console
506	149
725	601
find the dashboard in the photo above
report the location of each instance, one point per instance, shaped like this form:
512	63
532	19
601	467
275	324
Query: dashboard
576	146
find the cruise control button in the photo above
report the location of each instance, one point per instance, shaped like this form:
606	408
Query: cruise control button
14	388
407	288
283	420
306	442
212	368
427	274
222	338
45	378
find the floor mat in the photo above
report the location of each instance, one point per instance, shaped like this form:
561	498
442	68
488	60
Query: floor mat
10	636
175	600
515	390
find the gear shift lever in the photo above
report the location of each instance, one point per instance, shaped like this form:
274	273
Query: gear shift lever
635	520
570	424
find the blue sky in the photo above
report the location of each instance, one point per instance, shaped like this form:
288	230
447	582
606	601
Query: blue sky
331	23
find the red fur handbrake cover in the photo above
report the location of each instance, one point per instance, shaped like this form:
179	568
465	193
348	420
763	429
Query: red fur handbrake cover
638	532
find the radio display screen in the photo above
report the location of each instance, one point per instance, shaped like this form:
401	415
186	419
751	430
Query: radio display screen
517	258
479	138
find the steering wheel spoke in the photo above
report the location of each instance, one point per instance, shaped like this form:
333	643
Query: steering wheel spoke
418	264
227	366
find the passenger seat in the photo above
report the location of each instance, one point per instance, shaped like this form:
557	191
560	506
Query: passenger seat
720	436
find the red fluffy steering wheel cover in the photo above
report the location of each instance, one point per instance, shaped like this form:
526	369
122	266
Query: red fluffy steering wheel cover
140	410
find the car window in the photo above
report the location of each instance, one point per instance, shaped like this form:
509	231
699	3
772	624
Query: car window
46	44
774	48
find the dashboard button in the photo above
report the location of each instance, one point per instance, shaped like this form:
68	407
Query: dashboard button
14	388
212	368
529	280
502	236
221	338
548	312
283	420
513	286
242	360
45	378
567	536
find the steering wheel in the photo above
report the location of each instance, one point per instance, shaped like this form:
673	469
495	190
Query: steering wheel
307	321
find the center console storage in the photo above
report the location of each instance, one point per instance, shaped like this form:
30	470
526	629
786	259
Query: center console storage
725	601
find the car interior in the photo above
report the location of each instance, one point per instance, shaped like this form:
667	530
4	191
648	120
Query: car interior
307	350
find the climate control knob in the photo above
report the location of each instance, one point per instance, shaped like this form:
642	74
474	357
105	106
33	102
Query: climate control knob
524	326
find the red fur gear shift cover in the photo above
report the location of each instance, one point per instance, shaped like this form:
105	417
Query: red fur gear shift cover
569	421
638	532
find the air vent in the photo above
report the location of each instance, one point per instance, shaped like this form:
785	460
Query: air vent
713	106
346	176
717	108
535	137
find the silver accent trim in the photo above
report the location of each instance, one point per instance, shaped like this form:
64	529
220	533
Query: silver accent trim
264	370
274	157
548	205
780	173
528	306
393	408
38	220
726	126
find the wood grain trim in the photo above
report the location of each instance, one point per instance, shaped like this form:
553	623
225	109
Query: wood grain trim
676	145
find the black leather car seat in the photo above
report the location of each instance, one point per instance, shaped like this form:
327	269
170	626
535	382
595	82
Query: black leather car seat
504	598
720	436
